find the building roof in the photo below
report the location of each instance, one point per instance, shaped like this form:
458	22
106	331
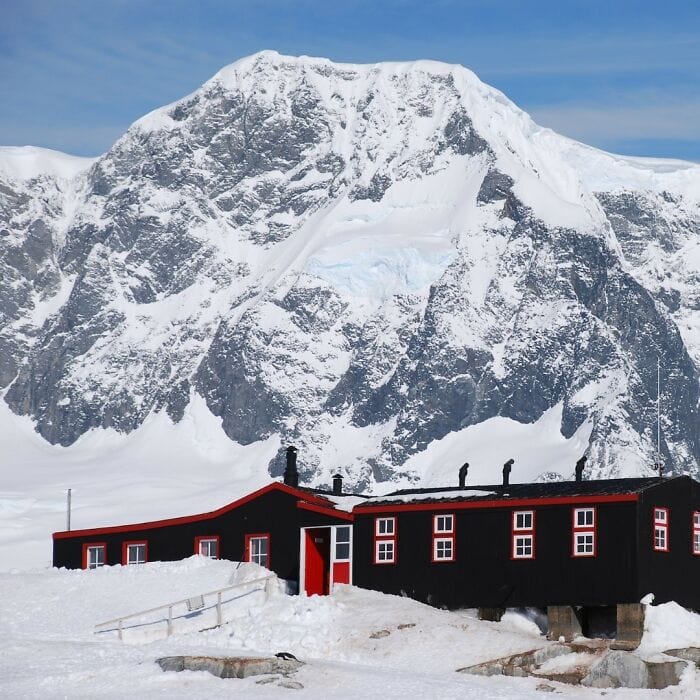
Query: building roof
555	489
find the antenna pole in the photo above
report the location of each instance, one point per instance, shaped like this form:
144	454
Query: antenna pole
68	500
658	417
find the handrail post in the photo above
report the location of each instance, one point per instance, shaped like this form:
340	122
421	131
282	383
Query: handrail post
219	618
120	630
170	620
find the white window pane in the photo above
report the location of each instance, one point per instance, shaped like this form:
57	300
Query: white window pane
523	546
96	557
385	526
342	534
584	517
385	551
136	554
524	520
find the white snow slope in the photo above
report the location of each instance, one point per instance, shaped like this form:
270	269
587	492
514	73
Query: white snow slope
48	648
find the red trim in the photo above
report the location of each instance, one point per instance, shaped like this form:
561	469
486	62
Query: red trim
584	555
259	536
521	534
443	535
443	538
325	510
199	538
93	544
661	525
199	517
577	529
384	540
514	524
501	503
125	550
696	532
385	537
516	532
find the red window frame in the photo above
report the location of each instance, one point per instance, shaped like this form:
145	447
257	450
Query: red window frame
660	525
584	530
377	521
201	538
258	536
125	551
86	545
383	538
522	533
444	536
696	533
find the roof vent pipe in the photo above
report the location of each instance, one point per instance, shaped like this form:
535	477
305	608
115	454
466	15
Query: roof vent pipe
506	471
463	474
337	485
291	475
580	466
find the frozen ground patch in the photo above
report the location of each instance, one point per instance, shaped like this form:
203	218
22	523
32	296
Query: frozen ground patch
355	643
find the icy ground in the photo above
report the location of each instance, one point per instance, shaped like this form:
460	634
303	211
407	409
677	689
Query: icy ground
48	648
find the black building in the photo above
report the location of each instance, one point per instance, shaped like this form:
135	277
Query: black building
576	543
583	544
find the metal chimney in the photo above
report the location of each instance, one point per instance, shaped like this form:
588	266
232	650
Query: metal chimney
291	475
506	471
337	485
580	465
463	474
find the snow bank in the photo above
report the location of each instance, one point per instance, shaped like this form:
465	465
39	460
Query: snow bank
356	643
669	626
539	450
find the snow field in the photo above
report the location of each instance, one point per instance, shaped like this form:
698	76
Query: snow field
355	643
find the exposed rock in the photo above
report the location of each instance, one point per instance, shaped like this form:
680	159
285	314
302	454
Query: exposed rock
519	665
293	244
687	653
379	634
620	669
229	667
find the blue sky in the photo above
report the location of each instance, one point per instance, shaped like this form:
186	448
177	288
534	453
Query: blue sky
618	74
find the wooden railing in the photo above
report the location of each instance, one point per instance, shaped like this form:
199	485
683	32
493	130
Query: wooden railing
193	604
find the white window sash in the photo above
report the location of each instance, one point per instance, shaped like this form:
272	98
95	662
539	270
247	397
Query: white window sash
386	523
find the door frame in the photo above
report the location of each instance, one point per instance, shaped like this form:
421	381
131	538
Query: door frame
331	558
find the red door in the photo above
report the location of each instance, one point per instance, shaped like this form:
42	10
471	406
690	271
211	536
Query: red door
317	561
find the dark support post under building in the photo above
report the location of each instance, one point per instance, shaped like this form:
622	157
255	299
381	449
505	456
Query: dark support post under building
491	614
630	626
562	621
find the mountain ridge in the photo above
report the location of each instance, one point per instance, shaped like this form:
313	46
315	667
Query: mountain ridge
395	246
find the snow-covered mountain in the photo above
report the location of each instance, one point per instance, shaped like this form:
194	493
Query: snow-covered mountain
369	261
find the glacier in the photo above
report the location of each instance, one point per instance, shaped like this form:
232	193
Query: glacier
368	261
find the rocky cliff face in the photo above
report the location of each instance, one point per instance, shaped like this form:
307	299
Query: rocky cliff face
394	252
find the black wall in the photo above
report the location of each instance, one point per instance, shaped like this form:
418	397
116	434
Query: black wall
484	575
275	513
672	575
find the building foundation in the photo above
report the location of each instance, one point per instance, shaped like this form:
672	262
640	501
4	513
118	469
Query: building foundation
630	626
562	622
491	614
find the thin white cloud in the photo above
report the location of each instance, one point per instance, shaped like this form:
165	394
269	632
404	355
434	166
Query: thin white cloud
670	119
